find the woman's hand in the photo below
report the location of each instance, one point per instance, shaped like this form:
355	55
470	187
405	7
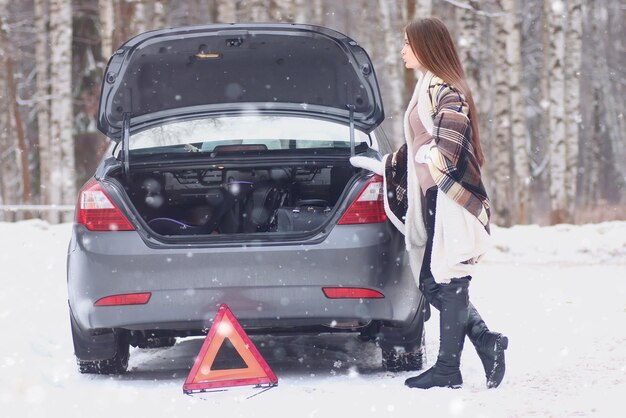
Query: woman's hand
368	163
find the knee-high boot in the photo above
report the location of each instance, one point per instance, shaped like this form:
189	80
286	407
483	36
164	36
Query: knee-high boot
454	311
489	345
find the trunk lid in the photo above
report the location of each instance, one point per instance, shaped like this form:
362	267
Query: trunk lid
166	74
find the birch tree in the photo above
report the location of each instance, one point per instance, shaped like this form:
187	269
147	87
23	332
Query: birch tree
14	111
423	8
283	10
469	46
42	94
159	18
107	15
572	97
226	11
302	11
318	12
392	68
139	21
556	94
521	163
254	10
8	166
63	187
501	187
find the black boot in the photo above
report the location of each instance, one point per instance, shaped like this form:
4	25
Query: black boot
453	316
490	347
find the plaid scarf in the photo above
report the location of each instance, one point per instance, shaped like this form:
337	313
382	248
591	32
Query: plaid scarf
453	164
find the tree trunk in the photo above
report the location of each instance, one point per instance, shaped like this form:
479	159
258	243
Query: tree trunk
255	11
501	192
469	47
42	95
282	10
139	21
559	212
409	74
15	112
521	161
107	16
159	17
318	12
61	115
613	115
572	98
393	70
302	12
9	180
227	11
423	8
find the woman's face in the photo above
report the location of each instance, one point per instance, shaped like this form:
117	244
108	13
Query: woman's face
409	58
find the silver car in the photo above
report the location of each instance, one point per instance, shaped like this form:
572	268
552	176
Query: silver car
230	182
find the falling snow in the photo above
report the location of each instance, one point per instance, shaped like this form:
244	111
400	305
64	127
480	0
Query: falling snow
559	293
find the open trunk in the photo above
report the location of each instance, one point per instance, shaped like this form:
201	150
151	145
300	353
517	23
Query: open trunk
237	199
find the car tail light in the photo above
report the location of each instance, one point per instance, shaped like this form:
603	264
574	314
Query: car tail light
97	212
368	207
124	299
351	293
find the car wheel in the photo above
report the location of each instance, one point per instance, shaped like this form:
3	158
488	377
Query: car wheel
115	365
398	360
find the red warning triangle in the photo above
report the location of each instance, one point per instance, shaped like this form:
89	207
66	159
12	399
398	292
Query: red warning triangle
226	326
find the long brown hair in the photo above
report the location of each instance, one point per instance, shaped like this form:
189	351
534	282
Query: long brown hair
432	44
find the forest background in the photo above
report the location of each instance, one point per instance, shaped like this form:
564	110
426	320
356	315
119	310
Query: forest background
548	77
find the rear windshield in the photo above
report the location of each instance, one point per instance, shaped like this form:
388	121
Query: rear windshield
232	133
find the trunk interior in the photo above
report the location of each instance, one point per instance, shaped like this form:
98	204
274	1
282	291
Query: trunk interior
237	200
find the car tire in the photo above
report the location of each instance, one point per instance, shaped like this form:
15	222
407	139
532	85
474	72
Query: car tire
397	360
118	364
102	351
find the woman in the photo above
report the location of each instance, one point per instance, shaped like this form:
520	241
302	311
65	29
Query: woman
434	194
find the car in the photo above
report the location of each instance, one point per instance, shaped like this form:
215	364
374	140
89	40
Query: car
230	183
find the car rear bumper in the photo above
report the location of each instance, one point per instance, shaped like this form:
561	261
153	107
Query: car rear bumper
264	286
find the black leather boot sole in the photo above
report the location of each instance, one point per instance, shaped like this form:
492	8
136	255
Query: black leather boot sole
434	378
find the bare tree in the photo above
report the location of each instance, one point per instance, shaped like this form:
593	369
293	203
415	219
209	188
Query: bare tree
318	12
389	18
107	16
521	162
469	46
282	10
159	17
18	126
572	64
423	8
8	147
42	97
139	21
63	183
556	94
253	10
501	163
227	11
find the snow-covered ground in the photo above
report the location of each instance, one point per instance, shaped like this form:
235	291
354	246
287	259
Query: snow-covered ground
559	293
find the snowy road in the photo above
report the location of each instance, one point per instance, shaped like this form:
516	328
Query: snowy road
559	293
